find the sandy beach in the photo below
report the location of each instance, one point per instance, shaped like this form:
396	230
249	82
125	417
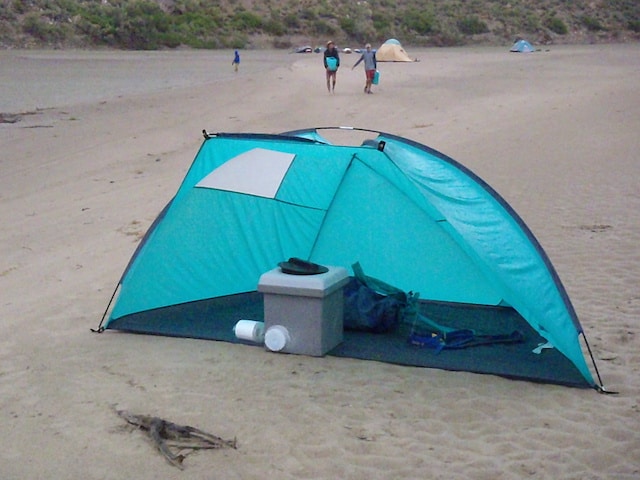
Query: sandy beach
99	142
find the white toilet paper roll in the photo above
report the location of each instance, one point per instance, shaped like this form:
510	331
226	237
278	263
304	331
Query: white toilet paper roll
249	330
276	338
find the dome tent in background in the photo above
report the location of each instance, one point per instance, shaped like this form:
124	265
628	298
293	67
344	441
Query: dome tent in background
392	51
522	46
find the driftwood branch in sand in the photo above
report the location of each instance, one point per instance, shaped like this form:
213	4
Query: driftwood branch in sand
10	117
16	117
174	440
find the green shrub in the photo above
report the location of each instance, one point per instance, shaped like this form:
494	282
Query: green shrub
212	13
381	22
194	24
236	41
98	23
45	31
170	39
141	26
322	27
556	25
21	6
418	21
291	21
61	10
6	13
472	26
592	24
308	14
274	27
348	25
530	22
246	22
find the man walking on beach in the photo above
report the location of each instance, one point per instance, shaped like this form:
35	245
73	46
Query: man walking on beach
370	65
331	64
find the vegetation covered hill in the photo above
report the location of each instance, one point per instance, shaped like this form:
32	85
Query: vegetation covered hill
153	24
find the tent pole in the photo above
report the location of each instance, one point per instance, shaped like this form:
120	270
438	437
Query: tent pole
100	328
600	387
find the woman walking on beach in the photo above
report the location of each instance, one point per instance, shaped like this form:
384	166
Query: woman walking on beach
370	65
331	64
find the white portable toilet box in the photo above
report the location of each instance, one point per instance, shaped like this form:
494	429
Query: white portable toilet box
309	307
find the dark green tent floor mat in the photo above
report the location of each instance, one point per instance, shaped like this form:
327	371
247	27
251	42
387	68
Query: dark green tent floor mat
214	320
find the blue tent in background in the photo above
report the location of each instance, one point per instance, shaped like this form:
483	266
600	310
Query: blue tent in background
410	216
522	46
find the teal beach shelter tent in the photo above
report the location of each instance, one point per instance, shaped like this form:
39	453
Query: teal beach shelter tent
522	46
409	215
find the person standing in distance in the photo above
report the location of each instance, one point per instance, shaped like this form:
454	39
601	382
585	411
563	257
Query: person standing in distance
236	61
331	64
370	65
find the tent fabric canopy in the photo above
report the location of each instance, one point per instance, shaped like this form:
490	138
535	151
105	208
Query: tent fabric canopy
408	214
392	51
522	46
